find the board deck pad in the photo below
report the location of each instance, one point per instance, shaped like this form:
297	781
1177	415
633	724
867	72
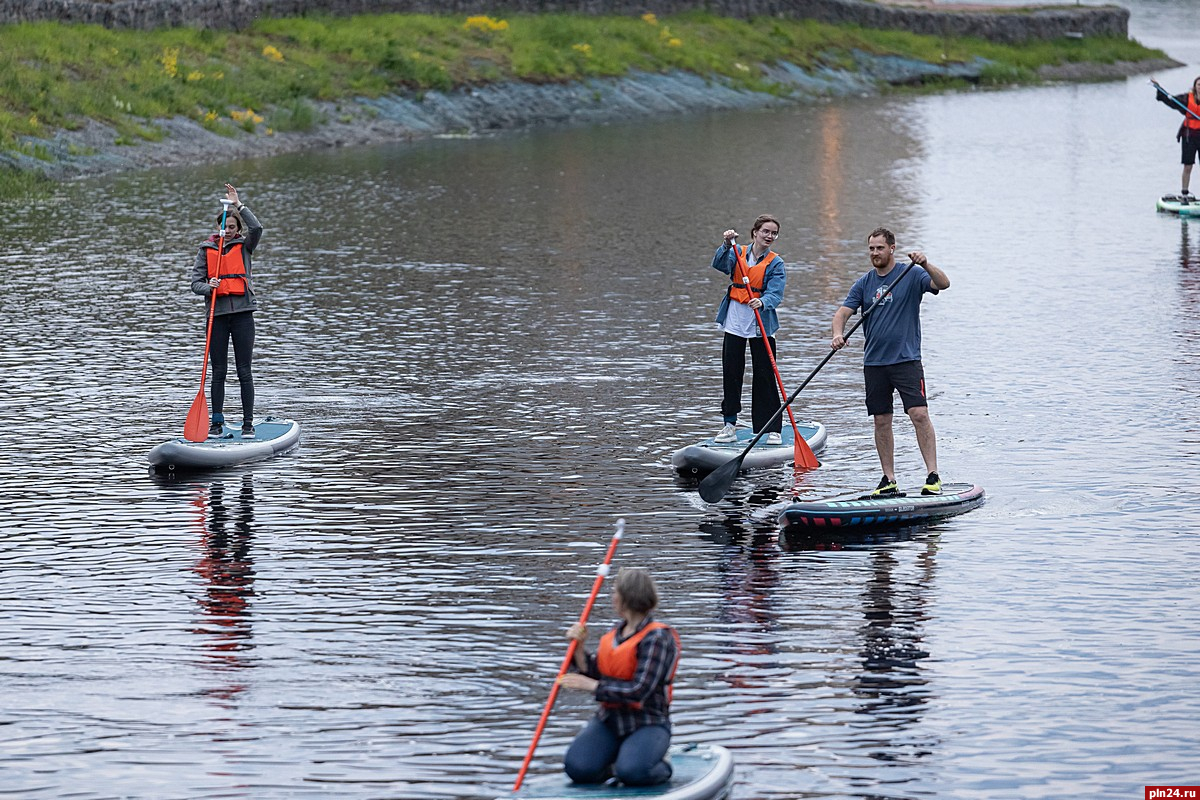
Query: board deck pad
909	507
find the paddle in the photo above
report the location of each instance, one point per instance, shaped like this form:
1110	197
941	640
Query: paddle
601	573
195	428
1172	98
802	454
715	486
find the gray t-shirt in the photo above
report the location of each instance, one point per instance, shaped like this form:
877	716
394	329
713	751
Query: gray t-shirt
893	329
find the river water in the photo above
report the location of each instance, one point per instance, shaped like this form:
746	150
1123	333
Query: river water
495	344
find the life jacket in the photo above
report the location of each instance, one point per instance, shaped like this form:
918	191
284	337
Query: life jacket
757	274
1191	120
620	660
230	268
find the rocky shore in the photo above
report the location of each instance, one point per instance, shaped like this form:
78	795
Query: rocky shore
93	149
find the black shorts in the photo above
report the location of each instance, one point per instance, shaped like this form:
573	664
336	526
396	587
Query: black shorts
907	378
1191	146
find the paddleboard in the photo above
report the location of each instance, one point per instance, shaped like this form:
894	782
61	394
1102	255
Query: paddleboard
271	436
1171	204
701	772
709	454
862	510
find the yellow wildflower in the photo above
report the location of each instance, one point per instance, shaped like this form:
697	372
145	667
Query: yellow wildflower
485	24
650	18
170	61
674	42
272	53
585	49
195	76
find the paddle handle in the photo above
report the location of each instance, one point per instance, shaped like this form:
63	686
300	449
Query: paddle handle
601	574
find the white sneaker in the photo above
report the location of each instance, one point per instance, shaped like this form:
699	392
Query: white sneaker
774	438
727	434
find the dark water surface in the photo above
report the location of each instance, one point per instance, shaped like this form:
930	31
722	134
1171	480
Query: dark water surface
494	345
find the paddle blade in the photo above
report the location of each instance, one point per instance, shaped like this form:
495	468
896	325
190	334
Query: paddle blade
717	483
803	454
195	429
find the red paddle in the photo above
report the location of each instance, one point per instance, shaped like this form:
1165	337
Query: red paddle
601	573
802	454
195	429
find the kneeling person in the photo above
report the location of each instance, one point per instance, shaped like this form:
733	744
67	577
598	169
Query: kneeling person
630	674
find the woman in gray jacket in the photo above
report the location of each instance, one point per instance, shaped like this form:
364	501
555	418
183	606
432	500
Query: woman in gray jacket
223	276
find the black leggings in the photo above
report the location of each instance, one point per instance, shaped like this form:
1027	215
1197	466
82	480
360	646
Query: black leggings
239	328
764	392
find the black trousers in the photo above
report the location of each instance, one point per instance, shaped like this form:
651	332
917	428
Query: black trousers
238	328
764	393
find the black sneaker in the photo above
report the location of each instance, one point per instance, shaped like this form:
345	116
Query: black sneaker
933	484
886	488
216	430
247	431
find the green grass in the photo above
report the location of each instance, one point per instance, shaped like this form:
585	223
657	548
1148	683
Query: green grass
266	78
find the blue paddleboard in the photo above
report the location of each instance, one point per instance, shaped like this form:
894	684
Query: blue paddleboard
1172	205
860	509
707	455
271	436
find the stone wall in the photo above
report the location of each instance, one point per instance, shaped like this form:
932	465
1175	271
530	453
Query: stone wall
1003	25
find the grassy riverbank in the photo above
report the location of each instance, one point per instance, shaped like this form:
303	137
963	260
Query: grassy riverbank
265	78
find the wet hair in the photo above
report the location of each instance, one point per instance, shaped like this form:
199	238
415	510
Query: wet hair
887	235
762	220
637	590
241	224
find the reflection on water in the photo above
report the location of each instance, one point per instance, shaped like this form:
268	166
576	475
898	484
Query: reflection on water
494	346
227	567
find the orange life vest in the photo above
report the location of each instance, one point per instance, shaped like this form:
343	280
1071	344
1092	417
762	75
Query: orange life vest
620	660
1191	120
230	268
756	273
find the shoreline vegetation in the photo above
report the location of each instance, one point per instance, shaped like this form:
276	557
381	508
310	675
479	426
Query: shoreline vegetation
81	99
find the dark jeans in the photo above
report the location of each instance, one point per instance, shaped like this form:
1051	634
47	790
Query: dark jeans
636	760
238	328
764	392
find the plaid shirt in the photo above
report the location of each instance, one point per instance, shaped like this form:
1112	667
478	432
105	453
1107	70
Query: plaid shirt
656	657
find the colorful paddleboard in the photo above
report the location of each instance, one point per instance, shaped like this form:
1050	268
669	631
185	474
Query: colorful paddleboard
910	507
1173	205
709	454
271	436
701	772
